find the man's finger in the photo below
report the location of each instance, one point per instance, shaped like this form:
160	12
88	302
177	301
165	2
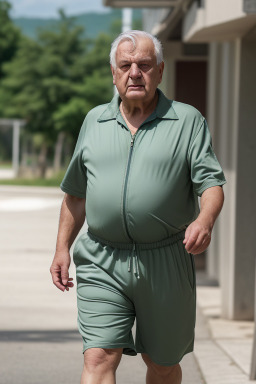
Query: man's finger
57	280
187	234
64	274
198	243
60	286
191	240
202	248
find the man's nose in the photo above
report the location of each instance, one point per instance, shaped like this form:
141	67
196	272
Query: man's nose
135	71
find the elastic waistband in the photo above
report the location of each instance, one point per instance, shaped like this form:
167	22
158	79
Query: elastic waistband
157	244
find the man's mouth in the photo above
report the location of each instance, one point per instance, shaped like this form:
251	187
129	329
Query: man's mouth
136	86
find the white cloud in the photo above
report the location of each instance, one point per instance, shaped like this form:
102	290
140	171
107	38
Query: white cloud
49	8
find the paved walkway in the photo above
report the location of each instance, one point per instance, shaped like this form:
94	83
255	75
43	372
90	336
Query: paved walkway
223	348
7	173
39	338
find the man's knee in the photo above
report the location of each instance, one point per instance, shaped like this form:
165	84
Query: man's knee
161	370
102	359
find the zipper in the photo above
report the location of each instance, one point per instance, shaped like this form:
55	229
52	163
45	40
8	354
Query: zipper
134	254
125	186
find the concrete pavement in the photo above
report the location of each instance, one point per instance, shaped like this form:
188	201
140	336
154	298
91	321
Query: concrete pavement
39	338
7	173
223	348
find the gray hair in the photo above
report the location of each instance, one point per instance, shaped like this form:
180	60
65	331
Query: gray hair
133	35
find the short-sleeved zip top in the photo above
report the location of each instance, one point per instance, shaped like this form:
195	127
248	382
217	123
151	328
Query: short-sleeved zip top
142	188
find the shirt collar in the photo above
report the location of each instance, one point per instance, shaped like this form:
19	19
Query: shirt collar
163	110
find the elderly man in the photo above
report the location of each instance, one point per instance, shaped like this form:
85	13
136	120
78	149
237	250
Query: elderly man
139	165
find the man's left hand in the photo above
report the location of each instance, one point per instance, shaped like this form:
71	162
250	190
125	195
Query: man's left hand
197	237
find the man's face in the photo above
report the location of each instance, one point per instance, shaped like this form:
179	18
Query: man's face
137	74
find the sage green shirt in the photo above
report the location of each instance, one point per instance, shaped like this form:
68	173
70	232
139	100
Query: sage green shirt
147	191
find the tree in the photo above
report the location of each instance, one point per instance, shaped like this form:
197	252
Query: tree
53	82
93	85
9	35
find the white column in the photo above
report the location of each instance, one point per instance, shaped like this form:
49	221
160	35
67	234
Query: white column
126	26
237	222
228	125
213	91
227	219
126	19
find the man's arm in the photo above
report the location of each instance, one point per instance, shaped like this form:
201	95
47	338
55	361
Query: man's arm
72	217
198	233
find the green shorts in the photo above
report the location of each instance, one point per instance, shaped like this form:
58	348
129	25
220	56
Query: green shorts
155	283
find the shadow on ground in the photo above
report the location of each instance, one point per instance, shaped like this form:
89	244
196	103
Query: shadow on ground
37	336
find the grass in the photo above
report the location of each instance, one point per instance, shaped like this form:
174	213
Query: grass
39	182
5	165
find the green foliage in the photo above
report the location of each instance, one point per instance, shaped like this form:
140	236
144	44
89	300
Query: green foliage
137	24
53	82
93	87
5	144
19	90
116	28
9	35
53	181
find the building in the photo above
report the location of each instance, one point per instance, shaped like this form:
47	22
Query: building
210	62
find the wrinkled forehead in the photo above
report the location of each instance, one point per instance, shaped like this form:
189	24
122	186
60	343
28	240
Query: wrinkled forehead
144	48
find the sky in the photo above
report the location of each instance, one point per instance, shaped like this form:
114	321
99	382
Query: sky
49	8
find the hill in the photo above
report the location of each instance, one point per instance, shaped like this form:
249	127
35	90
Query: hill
94	23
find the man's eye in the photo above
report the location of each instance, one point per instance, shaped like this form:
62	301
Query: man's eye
125	66
144	66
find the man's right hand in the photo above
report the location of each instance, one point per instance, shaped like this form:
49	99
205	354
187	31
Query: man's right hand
59	271
72	216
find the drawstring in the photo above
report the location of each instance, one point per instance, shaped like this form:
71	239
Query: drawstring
134	253
136	264
129	264
135	246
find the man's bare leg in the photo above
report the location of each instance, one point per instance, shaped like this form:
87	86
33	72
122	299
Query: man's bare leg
100	365
159	374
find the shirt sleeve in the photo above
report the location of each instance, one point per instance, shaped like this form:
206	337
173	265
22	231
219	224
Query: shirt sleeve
205	169
75	179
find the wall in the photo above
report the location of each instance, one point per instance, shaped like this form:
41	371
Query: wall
232	116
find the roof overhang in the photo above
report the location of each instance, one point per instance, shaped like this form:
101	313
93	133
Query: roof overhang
165	28
197	27
141	3
222	32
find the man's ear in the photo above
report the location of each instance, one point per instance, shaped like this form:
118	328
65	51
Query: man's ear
161	70
113	74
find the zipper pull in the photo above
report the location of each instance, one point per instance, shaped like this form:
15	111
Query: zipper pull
132	140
